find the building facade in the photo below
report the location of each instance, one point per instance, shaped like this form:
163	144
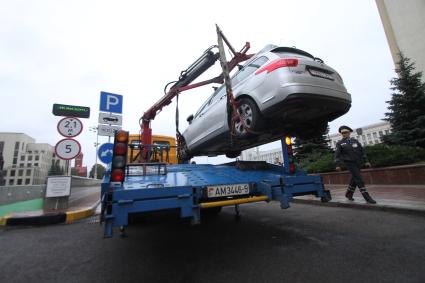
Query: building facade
26	162
367	135
404	25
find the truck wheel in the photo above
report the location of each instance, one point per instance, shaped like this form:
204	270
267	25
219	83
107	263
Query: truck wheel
249	111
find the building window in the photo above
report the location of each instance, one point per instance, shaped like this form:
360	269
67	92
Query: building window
21	165
387	132
11	182
16	146
37	158
19	182
376	141
28	164
375	135
36	151
28	172
27	181
368	136
15	160
12	173
29	157
20	172
36	164
381	133
22	157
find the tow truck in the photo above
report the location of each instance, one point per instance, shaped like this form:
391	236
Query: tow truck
146	186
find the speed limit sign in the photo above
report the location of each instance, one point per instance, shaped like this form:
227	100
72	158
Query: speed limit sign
67	149
70	127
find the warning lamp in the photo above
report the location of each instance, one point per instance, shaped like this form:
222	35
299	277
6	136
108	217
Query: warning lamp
117	175
288	140
119	156
120	148
291	168
121	136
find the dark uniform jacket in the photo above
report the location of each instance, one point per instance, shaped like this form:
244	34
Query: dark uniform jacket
349	150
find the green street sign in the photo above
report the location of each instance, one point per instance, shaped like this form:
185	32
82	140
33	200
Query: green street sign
71	111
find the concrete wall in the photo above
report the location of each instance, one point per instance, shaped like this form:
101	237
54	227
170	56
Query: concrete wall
11	194
395	175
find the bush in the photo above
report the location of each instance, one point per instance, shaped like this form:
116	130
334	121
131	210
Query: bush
381	155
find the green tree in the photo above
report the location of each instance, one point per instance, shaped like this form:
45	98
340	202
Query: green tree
55	168
100	171
311	150
407	106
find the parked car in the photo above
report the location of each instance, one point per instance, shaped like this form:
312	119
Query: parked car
280	90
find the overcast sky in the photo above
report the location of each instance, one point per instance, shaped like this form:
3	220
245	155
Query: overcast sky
68	51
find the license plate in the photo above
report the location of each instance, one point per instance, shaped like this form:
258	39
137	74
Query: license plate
227	190
317	73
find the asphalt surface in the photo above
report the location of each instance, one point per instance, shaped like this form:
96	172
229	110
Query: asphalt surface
305	243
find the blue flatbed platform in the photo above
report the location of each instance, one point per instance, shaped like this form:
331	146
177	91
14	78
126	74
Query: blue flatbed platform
184	187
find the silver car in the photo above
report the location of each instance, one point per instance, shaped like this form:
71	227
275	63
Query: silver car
280	90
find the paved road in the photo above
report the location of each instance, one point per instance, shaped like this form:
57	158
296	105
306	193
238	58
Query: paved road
302	244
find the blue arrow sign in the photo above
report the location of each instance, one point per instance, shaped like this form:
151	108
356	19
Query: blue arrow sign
105	152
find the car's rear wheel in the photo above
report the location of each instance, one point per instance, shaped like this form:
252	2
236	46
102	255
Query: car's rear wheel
251	116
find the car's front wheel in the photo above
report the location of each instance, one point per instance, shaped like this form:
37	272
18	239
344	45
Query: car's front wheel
248	120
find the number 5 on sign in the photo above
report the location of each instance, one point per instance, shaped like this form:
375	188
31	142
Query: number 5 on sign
67	149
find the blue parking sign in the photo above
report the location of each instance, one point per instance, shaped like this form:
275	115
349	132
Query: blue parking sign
105	152
110	102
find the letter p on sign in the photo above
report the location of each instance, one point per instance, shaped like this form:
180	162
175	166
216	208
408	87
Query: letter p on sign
110	102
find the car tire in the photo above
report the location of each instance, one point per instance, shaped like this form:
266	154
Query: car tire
252	115
233	154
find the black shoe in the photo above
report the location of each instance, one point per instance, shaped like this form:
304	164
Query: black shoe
349	195
368	198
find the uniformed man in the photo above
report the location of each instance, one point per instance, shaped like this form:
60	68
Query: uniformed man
350	152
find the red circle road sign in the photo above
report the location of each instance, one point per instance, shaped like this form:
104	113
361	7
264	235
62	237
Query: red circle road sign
67	149
70	127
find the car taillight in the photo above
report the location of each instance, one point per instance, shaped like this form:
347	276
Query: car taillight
119	157
279	63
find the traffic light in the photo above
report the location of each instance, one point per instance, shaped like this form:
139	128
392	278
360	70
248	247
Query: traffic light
119	157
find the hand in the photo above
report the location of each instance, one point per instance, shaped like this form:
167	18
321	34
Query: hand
368	165
338	168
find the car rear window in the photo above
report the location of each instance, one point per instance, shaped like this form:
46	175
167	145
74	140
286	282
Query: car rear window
291	50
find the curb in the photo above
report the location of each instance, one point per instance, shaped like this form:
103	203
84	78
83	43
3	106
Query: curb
49	218
362	206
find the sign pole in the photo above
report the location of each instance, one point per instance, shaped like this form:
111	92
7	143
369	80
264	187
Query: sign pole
97	150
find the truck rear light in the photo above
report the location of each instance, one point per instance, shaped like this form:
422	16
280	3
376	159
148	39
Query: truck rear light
118	161
119	157
292	168
278	63
121	136
120	148
117	175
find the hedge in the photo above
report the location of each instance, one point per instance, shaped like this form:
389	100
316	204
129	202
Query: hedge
379	155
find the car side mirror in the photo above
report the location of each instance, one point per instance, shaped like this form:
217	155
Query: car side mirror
189	119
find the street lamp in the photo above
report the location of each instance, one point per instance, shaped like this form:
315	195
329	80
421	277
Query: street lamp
95	130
